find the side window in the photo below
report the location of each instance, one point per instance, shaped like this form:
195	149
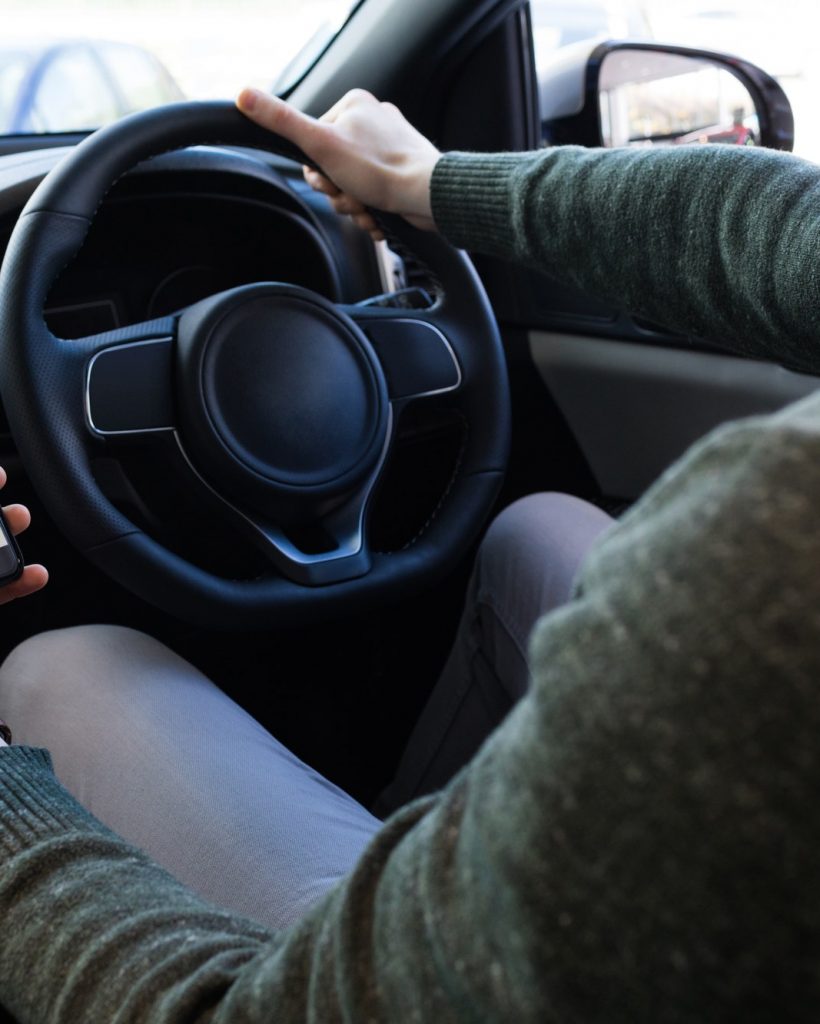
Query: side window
559	23
72	94
143	82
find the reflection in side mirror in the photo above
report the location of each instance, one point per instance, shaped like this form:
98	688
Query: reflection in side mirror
616	93
653	98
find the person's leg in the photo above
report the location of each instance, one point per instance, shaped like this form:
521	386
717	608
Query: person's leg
526	566
163	757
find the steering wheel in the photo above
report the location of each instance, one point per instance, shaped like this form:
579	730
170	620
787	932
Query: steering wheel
283	404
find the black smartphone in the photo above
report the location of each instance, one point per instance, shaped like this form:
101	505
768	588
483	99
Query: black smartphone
11	558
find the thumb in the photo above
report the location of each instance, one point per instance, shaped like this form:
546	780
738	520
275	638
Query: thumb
277	116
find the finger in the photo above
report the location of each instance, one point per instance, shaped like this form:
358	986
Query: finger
319	183
18	517
348	206
330	116
34	578
277	116
351	98
3	477
366	222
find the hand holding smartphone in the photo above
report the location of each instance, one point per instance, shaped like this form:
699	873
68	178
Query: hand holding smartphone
11	558
16	578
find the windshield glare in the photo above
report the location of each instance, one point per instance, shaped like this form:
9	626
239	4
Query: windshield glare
75	66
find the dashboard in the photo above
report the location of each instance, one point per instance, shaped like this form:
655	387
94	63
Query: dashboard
144	260
189	224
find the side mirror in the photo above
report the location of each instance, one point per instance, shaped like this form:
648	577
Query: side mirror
645	94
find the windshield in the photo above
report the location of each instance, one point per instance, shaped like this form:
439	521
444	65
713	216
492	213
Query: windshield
75	66
12	69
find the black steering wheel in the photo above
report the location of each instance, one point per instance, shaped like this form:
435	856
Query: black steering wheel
282	403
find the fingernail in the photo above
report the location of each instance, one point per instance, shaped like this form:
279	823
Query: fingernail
247	99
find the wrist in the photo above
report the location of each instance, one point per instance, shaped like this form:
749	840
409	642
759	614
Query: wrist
410	195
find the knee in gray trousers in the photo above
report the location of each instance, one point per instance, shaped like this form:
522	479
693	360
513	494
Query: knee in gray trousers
526	566
163	757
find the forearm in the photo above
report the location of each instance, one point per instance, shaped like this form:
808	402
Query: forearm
719	242
94	930
636	841
633	842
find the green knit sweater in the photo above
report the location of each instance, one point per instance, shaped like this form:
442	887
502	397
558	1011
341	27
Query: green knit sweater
638	841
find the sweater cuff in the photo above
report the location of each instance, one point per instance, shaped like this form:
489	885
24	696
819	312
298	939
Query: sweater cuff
33	804
471	195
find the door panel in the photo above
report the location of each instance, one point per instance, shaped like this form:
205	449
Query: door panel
635	408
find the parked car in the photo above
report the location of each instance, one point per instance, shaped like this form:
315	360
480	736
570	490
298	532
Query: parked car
76	85
743	131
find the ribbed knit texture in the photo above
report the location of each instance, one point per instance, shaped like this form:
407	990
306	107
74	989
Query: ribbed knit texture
639	840
701	238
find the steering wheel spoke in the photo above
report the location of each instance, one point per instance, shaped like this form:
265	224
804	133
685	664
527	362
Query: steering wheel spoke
336	549
328	546
417	358
128	380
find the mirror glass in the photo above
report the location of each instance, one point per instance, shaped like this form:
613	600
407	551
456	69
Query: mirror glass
649	98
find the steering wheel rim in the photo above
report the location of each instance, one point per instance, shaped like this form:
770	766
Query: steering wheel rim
44	382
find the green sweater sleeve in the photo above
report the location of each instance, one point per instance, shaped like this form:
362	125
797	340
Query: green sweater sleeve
721	242
636	842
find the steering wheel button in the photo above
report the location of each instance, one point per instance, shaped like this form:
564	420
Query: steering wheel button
128	388
416	357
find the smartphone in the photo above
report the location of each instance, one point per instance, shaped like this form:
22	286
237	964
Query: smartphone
11	558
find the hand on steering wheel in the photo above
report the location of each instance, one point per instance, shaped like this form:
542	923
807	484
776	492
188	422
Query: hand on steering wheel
371	156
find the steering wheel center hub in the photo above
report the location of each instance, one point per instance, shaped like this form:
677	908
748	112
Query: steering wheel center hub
281	395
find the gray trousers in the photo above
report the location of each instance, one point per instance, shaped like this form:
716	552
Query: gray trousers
166	759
